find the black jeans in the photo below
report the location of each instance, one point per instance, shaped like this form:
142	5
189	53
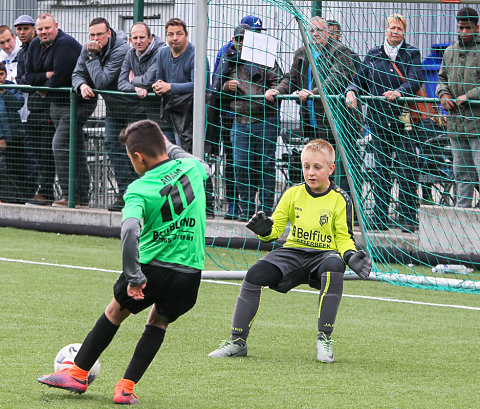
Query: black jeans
40	129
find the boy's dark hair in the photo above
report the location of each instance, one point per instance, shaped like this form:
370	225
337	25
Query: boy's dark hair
467	14
176	22
334	23
144	137
3	67
100	20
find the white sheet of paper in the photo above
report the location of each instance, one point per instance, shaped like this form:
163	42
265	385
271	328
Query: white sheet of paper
259	48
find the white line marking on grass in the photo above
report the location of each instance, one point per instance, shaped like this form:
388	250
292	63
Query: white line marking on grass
366	297
60	265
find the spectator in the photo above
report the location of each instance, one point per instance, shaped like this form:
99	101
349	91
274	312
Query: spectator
139	70
458	84
40	127
25	30
98	67
378	76
11	142
335	30
9	48
255	24
336	67
174	81
51	60
226	123
254	131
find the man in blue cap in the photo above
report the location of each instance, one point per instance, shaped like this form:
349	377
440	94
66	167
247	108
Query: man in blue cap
226	122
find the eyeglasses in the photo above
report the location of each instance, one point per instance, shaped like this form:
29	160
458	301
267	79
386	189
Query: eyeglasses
96	35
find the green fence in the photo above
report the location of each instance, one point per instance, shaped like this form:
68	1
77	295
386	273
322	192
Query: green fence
402	176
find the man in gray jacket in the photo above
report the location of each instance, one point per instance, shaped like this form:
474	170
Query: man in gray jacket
98	67
139	70
458	84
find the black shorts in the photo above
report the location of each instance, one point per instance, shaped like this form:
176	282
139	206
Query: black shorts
172	292
298	264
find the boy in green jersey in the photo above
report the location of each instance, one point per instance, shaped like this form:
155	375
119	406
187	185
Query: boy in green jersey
318	245
163	253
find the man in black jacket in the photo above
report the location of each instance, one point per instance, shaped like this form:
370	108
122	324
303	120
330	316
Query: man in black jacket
255	127
50	62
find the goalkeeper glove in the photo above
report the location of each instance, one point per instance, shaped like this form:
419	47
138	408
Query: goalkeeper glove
360	263
260	224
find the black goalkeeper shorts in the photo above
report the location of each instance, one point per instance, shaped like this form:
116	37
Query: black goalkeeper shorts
172	292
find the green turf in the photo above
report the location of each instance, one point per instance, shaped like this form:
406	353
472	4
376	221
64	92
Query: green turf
388	355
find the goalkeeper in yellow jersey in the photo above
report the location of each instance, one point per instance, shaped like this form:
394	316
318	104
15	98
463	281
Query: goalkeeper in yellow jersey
319	244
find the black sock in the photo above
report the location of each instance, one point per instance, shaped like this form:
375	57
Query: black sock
147	347
95	343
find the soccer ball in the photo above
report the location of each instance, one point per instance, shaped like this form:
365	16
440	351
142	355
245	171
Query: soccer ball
66	356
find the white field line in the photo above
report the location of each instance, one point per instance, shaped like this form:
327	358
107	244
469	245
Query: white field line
366	297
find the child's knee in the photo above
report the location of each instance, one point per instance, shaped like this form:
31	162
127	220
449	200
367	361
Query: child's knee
264	274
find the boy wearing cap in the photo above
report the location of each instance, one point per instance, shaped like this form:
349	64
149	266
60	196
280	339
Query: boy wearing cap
226	123
255	127
458	84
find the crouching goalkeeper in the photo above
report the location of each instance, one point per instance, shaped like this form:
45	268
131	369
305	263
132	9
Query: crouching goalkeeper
319	244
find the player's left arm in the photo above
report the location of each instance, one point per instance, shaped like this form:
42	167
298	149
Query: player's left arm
358	261
343	224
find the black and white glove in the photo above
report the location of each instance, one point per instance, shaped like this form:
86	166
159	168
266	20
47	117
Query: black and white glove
260	224
360	263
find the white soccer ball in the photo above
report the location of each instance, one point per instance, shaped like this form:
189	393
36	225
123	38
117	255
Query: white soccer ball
66	356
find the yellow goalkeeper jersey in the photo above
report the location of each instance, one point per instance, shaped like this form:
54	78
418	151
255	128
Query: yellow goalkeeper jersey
317	221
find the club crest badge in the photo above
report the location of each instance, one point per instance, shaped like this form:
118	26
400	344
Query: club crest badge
324	217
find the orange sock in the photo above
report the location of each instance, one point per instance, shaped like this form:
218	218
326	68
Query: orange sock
126	384
78	373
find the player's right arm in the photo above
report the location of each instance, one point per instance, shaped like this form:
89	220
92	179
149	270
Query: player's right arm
130	235
280	217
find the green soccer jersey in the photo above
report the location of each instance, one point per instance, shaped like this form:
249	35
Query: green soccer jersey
318	221
170	200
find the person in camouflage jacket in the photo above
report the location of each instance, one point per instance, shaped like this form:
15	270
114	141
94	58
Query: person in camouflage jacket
459	83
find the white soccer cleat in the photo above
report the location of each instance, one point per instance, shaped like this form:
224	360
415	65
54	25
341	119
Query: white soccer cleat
325	350
229	349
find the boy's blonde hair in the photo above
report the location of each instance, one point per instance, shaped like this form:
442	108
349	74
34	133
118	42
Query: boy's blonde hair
398	17
321	145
